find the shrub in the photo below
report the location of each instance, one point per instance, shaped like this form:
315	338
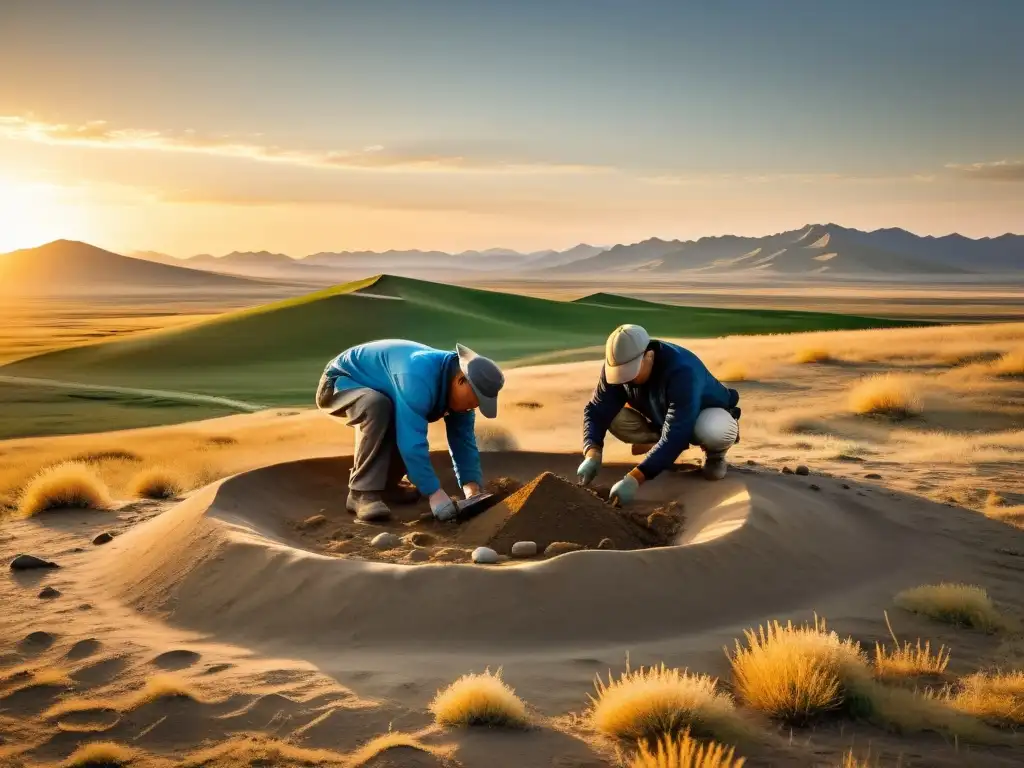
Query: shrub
483	699
959	604
885	395
156	483
686	752
648	703
909	660
995	698
68	484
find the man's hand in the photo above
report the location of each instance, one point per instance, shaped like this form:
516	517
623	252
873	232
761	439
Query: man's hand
442	506
624	491
471	489
590	467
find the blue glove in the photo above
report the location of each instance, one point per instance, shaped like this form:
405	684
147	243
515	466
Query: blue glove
588	469
624	491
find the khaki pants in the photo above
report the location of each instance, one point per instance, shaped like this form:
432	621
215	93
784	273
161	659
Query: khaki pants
631	427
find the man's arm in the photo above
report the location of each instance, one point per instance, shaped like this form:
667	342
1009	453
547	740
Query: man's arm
604	406
683	409
462	447
411	435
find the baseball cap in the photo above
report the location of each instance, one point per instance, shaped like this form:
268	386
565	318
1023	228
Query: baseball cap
484	376
624	353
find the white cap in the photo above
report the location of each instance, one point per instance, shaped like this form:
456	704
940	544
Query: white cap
624	353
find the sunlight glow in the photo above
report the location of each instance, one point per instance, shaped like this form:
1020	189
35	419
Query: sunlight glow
30	212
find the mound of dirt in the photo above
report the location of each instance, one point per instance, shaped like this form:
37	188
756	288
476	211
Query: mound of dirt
550	509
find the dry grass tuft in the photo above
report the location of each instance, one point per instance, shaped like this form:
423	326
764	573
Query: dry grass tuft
479	699
156	483
68	484
649	703
910	660
1010	365
812	355
156	688
885	395
733	370
959	604
100	754
995	698
686	752
796	673
255	750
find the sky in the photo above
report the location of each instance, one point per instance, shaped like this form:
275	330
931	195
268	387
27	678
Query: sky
205	126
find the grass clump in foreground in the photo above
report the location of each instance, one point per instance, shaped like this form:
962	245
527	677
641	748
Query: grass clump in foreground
479	699
885	395
156	483
996	698
686	752
959	604
645	704
910	660
99	754
1010	365
68	484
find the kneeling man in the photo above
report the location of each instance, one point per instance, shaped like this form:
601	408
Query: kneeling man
661	399
389	391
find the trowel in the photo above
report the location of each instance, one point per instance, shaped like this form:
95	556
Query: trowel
473	506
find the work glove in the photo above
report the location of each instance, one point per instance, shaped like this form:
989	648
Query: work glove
442	507
589	468
624	491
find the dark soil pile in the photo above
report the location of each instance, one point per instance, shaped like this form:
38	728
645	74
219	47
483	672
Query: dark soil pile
550	509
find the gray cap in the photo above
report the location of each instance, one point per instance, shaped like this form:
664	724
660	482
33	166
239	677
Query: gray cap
624	353
484	376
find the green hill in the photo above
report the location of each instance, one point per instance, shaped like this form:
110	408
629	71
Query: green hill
274	354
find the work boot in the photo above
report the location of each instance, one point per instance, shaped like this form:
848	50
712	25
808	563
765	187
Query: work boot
715	465
403	492
367	506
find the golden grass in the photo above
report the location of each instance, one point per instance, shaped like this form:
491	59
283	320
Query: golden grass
885	395
157	687
686	752
797	672
812	354
251	750
68	484
910	660
479	699
156	483
852	761
392	740
996	698
733	370
1010	365
648	703
99	753
959	604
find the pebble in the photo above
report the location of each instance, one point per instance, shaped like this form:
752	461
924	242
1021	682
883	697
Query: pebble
103	538
29	562
872	476
420	539
606	544
385	541
48	593
814	487
561	547
787	471
313	522
846	487
485	556
803	470
418	556
524	549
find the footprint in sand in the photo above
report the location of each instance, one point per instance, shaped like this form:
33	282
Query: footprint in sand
37	642
83	649
178	659
90	721
100	673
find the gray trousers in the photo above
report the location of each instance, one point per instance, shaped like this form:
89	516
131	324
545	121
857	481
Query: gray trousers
632	427
377	463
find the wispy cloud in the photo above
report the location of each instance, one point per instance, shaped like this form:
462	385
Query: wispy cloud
1000	170
695	179
100	134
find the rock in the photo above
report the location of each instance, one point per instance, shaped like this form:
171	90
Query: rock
606	544
787	471
312	522
420	539
484	556
561	547
385	541
30	562
419	555
103	538
814	487
846	487
872	476
803	470
524	549
48	593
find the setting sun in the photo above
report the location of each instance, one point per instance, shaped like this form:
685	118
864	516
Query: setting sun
30	213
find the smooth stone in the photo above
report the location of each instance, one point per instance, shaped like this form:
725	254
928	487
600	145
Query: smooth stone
561	548
313	522
30	562
48	593
803	470
485	556
524	549
385	541
103	538
787	471
872	476
418	556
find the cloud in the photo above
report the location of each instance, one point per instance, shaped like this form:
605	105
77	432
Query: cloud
1000	170
100	134
695	179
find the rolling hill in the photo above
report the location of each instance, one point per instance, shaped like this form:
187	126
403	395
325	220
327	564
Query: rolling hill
274	354
69	267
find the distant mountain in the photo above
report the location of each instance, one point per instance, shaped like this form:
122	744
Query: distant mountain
638	257
67	267
256	257
988	254
159	258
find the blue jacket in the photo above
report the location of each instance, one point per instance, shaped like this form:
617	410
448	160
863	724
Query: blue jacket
679	388
416	378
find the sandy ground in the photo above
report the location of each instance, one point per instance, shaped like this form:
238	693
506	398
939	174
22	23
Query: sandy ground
274	636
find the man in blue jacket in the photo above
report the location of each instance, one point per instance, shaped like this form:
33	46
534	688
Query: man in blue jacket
389	391
660	398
